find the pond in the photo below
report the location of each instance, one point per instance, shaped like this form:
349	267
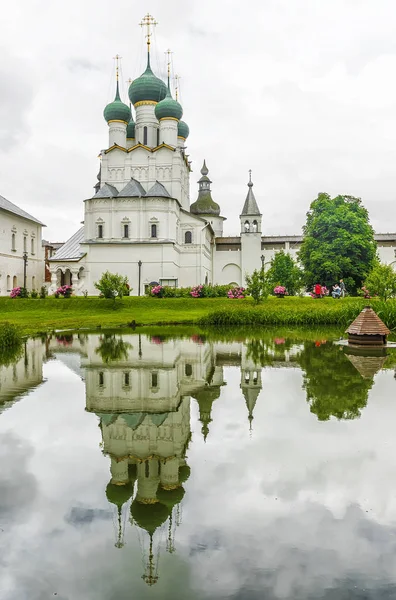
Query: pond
197	466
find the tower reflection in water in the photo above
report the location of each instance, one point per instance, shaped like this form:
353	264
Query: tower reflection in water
141	388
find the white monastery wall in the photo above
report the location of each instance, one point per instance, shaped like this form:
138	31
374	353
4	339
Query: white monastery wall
27	235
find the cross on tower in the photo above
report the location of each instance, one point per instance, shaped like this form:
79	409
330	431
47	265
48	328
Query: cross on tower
117	58
177	77
168	53
148	21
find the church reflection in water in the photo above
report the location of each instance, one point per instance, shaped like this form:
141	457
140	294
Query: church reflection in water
141	388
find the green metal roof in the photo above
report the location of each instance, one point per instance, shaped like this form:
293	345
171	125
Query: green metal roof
147	87
183	129
117	110
168	107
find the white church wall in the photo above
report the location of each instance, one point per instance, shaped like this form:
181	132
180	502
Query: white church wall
227	267
11	260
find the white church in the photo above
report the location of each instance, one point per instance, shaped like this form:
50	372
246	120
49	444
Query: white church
141	221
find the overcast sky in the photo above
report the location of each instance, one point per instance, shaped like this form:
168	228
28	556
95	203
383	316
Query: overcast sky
302	92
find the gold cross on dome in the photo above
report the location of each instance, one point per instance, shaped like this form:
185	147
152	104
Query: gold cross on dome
149	22
117	58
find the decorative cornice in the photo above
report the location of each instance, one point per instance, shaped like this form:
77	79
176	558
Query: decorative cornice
115	147
117	121
145	102
169	119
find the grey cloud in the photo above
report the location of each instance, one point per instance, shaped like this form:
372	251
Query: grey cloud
18	487
81	64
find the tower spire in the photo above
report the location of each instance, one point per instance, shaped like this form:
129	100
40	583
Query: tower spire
149	23
117	58
168	53
177	77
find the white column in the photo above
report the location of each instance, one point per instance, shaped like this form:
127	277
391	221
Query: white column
145	117
168	132
117	133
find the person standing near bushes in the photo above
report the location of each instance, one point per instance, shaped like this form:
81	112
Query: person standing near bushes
343	288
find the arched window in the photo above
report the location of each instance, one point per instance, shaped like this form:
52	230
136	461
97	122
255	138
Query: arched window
188	237
33	283
247	226
14	281
154	380
153	230
126	230
24	243
101	378
32	246
254	227
8	283
188	370
145	135
13	247
206	279
100	231
158	132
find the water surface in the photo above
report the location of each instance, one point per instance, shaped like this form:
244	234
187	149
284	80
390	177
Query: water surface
151	466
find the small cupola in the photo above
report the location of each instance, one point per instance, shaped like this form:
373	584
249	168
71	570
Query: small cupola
205	205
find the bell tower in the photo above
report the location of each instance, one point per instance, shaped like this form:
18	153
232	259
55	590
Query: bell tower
250	219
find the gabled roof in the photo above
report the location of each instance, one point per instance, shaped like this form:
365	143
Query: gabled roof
368	323
15	210
71	250
250	207
107	191
133	189
158	190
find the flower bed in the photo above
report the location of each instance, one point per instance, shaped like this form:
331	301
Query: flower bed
65	291
236	292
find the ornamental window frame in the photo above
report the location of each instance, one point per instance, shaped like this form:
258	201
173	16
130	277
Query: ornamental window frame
99	228
188	237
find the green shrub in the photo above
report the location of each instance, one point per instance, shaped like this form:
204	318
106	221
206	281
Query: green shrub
10	336
112	285
43	292
34	294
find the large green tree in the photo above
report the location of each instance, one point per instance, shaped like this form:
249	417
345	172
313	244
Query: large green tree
284	271
338	242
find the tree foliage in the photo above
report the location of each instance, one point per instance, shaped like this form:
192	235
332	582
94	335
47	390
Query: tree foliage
112	348
338	242
257	285
113	285
381	281
333	385
284	271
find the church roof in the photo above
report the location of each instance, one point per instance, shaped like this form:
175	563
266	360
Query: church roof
158	190
133	189
106	191
71	250
15	210
250	207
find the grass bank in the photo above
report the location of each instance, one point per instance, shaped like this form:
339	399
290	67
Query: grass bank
36	316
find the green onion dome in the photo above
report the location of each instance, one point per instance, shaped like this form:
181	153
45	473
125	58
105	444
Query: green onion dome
168	108
149	516
170	498
131	128
117	110
119	494
183	130
147	87
184	473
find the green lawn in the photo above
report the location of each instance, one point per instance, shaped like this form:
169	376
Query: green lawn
37	316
